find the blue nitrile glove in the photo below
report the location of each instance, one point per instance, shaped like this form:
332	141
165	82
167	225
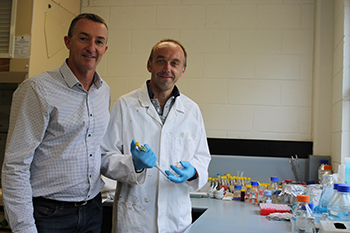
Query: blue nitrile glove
142	159
187	172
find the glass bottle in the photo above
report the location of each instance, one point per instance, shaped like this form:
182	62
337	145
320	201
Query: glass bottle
267	195
273	183
253	194
320	170
327	192
340	209
237	192
302	216
334	196
261	190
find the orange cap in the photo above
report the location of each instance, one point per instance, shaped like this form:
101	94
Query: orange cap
327	167
303	198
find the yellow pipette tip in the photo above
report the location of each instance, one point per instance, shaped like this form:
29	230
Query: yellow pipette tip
137	143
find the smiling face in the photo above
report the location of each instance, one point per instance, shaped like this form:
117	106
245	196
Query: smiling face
86	46
166	67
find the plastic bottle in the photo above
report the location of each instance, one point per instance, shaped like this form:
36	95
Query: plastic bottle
302	216
340	209
253	194
267	195
334	196
321	169
327	192
237	192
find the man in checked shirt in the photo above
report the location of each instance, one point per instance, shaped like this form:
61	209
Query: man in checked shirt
51	173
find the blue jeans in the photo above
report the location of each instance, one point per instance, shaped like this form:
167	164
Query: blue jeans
66	217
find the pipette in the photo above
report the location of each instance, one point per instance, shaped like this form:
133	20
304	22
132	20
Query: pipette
141	147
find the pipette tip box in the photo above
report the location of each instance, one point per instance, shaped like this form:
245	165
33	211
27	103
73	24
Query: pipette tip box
267	208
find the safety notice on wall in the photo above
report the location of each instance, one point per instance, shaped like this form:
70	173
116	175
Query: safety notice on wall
22	46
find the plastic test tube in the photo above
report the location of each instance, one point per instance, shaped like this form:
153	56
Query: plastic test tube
141	147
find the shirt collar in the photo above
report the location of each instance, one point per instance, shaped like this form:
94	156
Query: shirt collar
175	92
71	80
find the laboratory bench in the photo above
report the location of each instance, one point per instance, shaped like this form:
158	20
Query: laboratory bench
215	214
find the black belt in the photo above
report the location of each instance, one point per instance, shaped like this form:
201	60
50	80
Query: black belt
67	203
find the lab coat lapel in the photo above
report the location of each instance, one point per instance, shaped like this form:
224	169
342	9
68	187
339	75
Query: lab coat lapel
146	103
176	109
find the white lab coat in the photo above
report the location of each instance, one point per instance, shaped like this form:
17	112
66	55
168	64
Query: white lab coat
147	201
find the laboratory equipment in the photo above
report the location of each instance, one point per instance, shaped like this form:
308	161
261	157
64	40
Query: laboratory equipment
273	187
302	217
267	195
294	162
334	196
261	190
321	169
327	192
253	194
334	227
340	208
142	148
237	192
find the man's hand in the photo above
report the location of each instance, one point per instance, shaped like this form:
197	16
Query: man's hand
187	172
142	159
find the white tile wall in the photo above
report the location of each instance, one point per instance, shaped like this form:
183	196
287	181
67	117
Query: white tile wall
249	61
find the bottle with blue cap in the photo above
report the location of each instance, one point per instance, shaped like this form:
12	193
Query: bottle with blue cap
334	196
237	192
253	194
268	194
273	187
340	209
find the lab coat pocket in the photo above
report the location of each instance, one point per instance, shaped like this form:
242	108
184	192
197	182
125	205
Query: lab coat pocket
184	147
129	217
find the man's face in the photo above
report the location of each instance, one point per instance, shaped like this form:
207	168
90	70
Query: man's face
87	45
167	66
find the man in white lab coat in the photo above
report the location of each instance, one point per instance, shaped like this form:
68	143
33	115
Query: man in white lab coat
171	125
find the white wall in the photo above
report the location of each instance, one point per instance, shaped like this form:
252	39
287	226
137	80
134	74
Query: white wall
249	62
341	81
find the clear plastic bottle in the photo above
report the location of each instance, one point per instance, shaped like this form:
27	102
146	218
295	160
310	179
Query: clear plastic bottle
340	209
237	192
327	192
334	196
321	169
302	216
253	194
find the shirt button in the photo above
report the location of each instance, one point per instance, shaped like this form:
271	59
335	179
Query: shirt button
89	135
90	155
91	115
90	176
